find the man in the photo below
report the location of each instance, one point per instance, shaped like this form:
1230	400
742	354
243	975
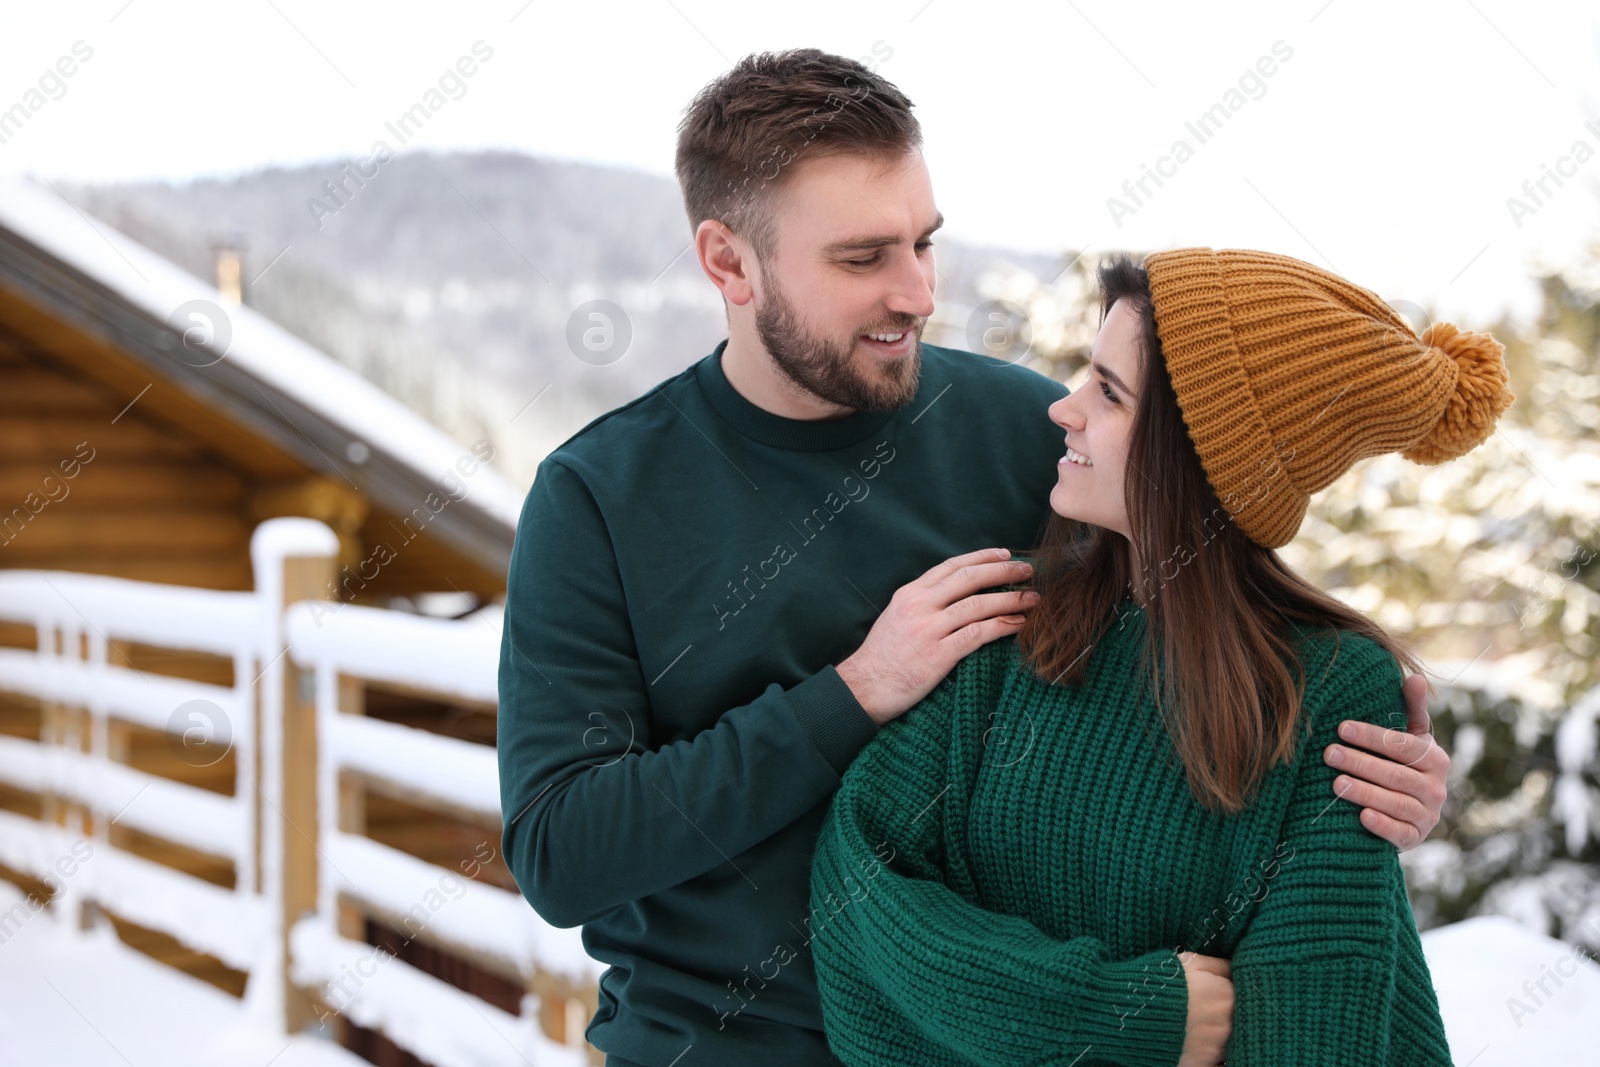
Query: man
720	591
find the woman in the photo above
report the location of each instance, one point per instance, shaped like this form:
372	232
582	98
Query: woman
1108	839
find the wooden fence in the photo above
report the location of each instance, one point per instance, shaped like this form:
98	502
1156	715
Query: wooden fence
226	777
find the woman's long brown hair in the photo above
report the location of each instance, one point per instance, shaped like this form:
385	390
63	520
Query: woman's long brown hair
1218	606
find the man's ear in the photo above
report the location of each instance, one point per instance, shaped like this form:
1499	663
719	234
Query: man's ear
727	260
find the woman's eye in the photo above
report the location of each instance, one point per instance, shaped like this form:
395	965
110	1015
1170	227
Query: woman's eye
1105	389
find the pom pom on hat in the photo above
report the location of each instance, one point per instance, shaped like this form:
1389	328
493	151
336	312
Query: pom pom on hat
1479	398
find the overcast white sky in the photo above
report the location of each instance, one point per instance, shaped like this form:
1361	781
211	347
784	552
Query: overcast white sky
1385	146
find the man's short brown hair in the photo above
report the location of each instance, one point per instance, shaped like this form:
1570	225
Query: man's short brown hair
745	133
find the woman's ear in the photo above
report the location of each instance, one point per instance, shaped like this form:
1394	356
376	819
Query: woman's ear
726	259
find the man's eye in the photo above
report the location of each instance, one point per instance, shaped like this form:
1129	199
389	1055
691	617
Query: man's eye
923	246
862	262
1109	395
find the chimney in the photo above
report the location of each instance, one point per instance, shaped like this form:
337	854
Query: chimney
229	251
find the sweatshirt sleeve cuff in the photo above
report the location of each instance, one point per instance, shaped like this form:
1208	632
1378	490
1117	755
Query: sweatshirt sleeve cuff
832	718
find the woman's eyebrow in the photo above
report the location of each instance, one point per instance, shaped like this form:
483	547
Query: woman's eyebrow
1110	376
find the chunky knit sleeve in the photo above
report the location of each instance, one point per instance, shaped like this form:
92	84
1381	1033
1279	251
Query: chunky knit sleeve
910	970
1331	969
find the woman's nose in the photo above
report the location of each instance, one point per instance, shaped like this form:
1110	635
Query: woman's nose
1064	413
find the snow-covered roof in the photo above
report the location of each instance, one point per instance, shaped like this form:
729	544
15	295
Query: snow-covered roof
317	409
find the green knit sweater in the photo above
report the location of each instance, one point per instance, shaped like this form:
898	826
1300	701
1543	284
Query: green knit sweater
1008	870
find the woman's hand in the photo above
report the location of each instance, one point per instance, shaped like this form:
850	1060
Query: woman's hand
1210	1009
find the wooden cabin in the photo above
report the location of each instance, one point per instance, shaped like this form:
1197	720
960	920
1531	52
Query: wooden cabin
148	423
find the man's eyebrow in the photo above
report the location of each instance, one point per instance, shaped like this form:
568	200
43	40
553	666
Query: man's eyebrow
1110	376
872	241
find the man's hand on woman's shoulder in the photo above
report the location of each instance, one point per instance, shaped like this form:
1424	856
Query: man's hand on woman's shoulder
931	624
1396	776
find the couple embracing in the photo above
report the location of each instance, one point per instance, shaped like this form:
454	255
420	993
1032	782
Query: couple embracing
1131	793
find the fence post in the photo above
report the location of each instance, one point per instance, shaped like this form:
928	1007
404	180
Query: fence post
351	815
294	560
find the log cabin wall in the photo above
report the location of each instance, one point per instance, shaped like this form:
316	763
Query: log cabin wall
109	469
88	486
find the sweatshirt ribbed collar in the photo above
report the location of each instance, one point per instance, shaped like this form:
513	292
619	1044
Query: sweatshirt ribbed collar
795	435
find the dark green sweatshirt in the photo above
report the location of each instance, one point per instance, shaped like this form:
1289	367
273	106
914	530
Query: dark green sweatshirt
1009	870
688	570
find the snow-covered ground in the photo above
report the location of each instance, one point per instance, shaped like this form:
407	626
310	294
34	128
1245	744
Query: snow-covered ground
1510	997
90	1000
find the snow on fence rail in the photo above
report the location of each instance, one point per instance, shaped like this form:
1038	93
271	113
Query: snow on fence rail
281	921
77	619
452	660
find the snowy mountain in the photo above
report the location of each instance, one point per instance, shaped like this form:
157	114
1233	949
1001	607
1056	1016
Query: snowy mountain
450	279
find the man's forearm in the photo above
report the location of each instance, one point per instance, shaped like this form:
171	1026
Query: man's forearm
587	831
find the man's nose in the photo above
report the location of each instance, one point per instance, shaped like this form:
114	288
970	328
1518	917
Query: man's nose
912	292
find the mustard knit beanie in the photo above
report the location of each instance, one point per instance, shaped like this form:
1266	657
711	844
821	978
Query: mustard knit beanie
1287	375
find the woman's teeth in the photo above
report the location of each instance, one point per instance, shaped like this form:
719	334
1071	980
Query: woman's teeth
1079	458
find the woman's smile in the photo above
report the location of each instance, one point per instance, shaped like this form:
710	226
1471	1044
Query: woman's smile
1074	458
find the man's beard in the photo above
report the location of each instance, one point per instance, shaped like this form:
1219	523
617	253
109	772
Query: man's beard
828	371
